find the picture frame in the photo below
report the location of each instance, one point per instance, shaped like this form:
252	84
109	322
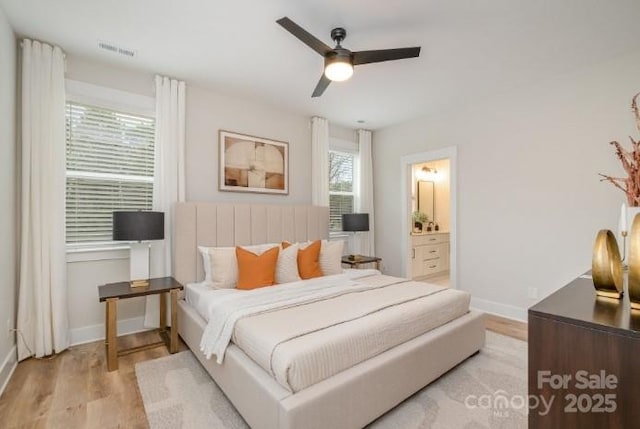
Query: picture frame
252	164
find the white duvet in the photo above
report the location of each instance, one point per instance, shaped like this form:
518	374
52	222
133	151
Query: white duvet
225	307
304	332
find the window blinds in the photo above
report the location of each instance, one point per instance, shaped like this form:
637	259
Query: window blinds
341	187
110	158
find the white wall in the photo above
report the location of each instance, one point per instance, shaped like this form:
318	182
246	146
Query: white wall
343	133
8	200
207	112
529	199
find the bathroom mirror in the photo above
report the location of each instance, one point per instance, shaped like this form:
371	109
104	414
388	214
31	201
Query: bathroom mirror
426	198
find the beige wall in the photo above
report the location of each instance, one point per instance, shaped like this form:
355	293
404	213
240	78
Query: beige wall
207	112
8	200
529	200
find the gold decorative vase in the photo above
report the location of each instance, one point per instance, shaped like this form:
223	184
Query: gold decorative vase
606	266
634	263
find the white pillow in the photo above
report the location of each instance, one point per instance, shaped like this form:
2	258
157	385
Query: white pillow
221	265
287	266
331	257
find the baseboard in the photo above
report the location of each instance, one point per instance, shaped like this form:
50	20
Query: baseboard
89	334
502	310
8	366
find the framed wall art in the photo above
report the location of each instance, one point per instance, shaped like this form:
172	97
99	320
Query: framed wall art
253	164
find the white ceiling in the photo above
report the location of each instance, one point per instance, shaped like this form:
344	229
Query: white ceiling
470	49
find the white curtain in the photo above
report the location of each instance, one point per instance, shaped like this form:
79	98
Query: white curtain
364	242
42	298
169	180
319	161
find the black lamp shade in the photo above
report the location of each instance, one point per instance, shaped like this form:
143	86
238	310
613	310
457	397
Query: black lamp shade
138	226
355	222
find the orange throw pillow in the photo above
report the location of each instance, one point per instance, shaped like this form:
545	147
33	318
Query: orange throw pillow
309	261
256	271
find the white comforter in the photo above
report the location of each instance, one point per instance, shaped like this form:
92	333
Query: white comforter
305	332
303	345
230	305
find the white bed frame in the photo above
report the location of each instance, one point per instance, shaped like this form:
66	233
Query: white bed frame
350	399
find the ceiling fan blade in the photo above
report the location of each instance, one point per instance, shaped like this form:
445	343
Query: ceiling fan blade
323	83
307	38
378	56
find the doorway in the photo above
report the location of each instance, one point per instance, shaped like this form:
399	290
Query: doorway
429	217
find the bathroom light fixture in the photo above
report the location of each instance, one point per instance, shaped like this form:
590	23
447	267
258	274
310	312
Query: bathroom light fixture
427	173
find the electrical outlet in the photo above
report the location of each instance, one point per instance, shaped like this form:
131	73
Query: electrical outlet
533	293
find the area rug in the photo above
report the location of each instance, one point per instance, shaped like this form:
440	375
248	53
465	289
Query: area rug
487	390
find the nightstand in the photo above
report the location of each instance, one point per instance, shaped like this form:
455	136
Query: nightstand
113	292
362	260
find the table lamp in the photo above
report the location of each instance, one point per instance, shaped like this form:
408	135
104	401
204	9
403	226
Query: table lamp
138	227
355	222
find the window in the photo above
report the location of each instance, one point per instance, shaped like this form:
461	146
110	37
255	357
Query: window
341	187
110	158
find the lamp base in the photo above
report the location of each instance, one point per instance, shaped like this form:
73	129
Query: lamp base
139	264
139	283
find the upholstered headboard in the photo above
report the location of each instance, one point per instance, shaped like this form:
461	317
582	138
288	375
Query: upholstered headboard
212	224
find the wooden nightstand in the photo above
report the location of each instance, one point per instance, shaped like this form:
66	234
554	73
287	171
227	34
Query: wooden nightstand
363	260
113	292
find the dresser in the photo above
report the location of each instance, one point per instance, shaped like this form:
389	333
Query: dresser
429	254
584	356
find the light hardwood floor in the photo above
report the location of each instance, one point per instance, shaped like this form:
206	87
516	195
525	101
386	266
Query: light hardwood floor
74	389
509	327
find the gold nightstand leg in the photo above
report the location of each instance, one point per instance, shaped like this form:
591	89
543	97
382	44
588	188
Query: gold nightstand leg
173	346
163	312
378	265
112	334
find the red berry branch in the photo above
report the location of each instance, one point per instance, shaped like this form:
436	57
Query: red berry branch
630	160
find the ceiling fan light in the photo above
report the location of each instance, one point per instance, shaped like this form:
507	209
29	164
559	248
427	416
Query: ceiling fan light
338	71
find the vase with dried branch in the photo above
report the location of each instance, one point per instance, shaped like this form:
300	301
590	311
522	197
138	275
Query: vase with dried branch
630	160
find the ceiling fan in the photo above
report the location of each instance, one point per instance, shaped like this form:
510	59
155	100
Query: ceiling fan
339	62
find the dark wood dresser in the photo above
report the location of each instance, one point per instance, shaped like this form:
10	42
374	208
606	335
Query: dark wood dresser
584	354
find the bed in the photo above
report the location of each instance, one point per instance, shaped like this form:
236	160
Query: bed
265	390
